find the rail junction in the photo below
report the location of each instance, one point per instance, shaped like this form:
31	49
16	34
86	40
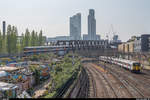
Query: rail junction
111	81
100	79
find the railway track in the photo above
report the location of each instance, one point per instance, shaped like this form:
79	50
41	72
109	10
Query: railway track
116	96
108	90
141	78
93	84
146	73
100	89
125	79
114	82
84	85
128	85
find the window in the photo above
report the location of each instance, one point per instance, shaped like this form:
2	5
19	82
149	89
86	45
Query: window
136	64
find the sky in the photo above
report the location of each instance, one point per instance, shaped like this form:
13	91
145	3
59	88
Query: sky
128	17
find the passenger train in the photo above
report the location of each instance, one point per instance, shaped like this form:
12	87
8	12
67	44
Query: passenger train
133	66
44	49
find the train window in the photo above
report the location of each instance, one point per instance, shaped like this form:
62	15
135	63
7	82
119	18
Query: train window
136	64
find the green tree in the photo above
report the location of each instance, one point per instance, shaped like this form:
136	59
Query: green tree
14	34
33	38
9	39
4	45
36	39
22	42
12	39
11	45
1	39
40	38
27	38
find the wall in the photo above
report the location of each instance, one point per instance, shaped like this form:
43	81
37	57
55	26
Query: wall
131	47
80	88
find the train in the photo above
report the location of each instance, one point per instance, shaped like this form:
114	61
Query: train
133	66
44	49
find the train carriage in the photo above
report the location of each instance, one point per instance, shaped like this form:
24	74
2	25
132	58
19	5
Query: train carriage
133	66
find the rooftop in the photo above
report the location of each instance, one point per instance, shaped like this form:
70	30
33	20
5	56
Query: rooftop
9	69
3	73
6	86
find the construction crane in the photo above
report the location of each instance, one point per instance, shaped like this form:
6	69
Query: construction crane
112	31
114	37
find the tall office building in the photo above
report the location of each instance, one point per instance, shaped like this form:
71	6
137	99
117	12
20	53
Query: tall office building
92	25
4	29
75	27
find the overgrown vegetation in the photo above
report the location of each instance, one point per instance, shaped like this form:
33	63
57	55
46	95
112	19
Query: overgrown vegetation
42	57
62	72
36	71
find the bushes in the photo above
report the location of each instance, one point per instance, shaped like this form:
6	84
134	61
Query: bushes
36	72
62	72
34	58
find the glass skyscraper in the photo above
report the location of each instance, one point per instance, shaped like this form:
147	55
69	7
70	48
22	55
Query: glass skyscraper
91	25
75	27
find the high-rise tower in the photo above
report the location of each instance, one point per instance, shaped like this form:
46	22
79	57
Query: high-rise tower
75	26
91	25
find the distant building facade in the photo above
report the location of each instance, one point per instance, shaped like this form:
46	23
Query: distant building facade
85	37
75	27
136	44
143	43
59	38
92	25
98	37
115	39
121	47
115	42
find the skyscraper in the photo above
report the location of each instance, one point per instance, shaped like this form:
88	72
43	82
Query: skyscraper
91	25
75	26
4	28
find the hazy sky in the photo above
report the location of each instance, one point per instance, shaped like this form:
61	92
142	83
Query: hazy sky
129	17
